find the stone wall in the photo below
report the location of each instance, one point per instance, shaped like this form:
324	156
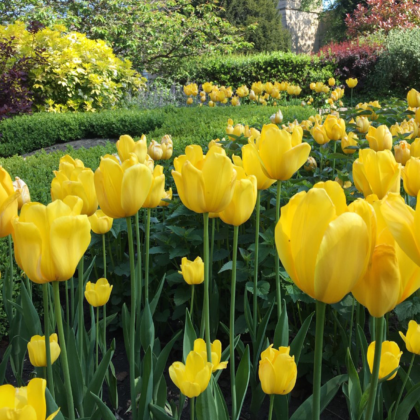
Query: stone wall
304	27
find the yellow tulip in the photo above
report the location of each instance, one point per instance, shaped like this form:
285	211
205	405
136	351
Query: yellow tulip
390	358
242	91
362	124
277	118
412	340
411	177
155	150
334	127
325	89
351	83
216	353
37	351
282	86
21	187
190	101
100	222
126	145
252	166
9	199
319	134
331	81
51	240
417	116
122	189
258	88
166	196
277	371
275	94
98	294
212	104
208	87
415	148
312	86
191	89
243	200
235	101
312	239
402	152
26	403
192	271
73	178
379	138
376	173
310	164
281	153
348	140
192	378
204	184
157	189
345	185
413	98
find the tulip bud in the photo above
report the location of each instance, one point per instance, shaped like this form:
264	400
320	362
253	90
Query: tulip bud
166	198
100	222
379	138
415	148
235	101
413	98
277	118
98	294
390	358
192	271
335	127
21	187
402	152
312	86
345	185
208	87
351	83
155	150
411	176
190	101
362	124
310	164
167	147
37	350
211	104
412	339
319	134
257	88
275	94
349	139
331	81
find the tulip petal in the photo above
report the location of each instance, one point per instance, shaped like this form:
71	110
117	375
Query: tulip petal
8	211
36	396
267	376
193	188
7	396
191	389
53	415
336	193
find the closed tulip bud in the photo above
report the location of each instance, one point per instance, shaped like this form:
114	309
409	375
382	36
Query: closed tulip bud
23	190
348	140
235	101
155	150
412	340
191	89
310	164
402	152
126	145
351	83
221	96
312	86
331	81
269	87
283	86
50	251
325	89
190	101
122	189
166	198
362	124
376	173
252	96
379	138
73	178
277	118
411	177
312	238
26	403
38	353
157	189
413	98
281	153
277	371
167	147
216	353
319	134
318	87
192	271
98	294
193	378
208	87
211	104
390	358
257	88
335	127
203	98
100	222
275	94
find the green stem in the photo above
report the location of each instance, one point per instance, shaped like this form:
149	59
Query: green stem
146	279
256	256
351	323
192	408
319	337
72	300
132	321
270	411
10	291
104	315
80	305
232	321
213	222
139	263
277	261
66	291
379	331
322	160
97	337
404	385
351	98
64	359
110	252
335	150
28	286
50	380
206	286
104	254
192	301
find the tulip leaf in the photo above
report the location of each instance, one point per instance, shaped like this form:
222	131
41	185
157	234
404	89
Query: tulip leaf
30	314
146	394
189	335
261	338
297	344
281	334
364	347
126	328
3	364
407	404
242	380
222	410
147	328
408	386
52	406
159	413
248	317
227	266
354	388
328	392
106	413
156	297
206	405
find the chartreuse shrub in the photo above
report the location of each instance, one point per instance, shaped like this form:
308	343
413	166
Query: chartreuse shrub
76	73
25	134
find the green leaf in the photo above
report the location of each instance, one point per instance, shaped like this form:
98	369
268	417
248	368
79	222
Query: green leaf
52	406
159	413
156	297
281	333
408	309
147	328
146	394
227	266
248	316
189	336
206	405
328	391
30	314
106	413
222	410
354	388
261	338
364	347
407	404
3	364
242	380
297	344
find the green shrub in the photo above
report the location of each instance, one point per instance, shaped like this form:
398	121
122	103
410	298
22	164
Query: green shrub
187	125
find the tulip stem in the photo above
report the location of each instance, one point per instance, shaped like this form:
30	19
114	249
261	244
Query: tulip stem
257	242
72	299
192	409
81	315
319	336
351	323
146	278
232	321
335	150
132	321
206	285
211	253
404	385
139	262
104	254
97	337
379	327
64	360
277	261
192	300
10	288
270	411
66	291
50	378
104	315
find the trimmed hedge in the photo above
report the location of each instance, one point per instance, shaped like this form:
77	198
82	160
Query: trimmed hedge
236	70
186	125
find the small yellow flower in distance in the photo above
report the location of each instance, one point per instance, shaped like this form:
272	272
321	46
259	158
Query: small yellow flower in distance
211	104
208	87
379	138
98	294
335	127
242	91
362	124
252	96
277	371
312	86
319	134
345	185
26	403
331	81
310	164
390	358
351	83
402	152
191	89
282	86
155	150
413	98
216	353
257	88
166	198
38	353
348	140
325	89
203	98
167	147
277	118
412	339
235	101
21	187
190	101
192	271
100	222
318	87
275	93
192	378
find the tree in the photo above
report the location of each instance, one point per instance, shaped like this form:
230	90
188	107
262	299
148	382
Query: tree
269	34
